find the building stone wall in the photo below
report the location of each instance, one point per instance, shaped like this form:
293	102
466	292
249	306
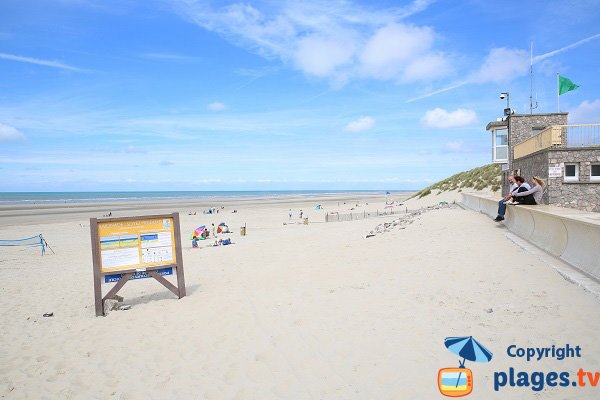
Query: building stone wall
520	127
582	195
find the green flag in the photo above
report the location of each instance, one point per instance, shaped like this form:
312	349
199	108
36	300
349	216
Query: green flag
565	85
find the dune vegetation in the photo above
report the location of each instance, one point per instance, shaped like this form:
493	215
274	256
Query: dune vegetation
478	178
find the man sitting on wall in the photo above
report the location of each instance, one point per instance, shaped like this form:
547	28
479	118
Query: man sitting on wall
501	205
517	184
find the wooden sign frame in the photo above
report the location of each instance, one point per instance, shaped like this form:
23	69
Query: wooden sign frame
127	274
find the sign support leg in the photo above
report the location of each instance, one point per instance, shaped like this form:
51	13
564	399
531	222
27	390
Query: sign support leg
112	292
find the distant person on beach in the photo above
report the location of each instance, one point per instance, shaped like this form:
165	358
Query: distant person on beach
532	196
195	241
301	213
516	183
290	214
214	230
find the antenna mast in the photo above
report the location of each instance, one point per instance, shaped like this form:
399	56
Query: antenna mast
531	107
531	79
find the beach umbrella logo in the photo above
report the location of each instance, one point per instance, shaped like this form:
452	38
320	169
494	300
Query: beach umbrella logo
458	382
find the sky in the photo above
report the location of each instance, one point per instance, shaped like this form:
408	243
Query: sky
103	95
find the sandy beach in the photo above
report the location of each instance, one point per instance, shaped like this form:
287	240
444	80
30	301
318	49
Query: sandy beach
290	311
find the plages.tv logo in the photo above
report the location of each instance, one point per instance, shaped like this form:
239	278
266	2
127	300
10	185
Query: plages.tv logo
458	382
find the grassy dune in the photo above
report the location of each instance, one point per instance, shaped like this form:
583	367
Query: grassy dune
477	178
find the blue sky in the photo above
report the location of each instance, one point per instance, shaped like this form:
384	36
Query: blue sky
226	95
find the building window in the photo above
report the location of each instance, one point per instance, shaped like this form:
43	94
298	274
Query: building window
571	172
595	173
500	145
502	137
536	129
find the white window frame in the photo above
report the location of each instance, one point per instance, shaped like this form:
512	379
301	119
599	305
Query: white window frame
594	178
496	146
571	178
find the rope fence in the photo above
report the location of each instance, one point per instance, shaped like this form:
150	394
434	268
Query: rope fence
337	217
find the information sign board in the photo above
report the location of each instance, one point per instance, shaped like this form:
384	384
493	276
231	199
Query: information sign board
135	248
128	244
555	172
137	275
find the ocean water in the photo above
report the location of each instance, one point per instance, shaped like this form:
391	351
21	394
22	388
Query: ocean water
99	197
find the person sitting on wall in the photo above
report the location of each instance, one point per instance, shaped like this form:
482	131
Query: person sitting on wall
532	196
517	183
501	205
522	187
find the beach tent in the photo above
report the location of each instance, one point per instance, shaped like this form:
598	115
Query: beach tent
222	228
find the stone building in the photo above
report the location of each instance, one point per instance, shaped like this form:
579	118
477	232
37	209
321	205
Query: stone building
566	156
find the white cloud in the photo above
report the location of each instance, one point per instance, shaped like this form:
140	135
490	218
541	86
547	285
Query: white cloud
336	40
361	124
502	65
426	67
321	56
588	112
216	106
440	118
38	61
10	134
400	50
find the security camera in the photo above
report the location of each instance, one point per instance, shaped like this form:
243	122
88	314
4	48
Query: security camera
502	96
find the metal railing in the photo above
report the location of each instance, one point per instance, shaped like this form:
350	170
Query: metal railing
587	135
572	136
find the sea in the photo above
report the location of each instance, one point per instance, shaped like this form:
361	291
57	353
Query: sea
10	198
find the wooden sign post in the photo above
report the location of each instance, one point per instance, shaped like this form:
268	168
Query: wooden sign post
134	248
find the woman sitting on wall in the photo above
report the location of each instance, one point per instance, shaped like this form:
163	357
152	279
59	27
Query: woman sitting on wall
532	196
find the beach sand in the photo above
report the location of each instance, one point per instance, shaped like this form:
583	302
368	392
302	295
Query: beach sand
289	311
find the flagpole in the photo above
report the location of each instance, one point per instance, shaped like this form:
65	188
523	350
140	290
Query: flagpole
558	90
